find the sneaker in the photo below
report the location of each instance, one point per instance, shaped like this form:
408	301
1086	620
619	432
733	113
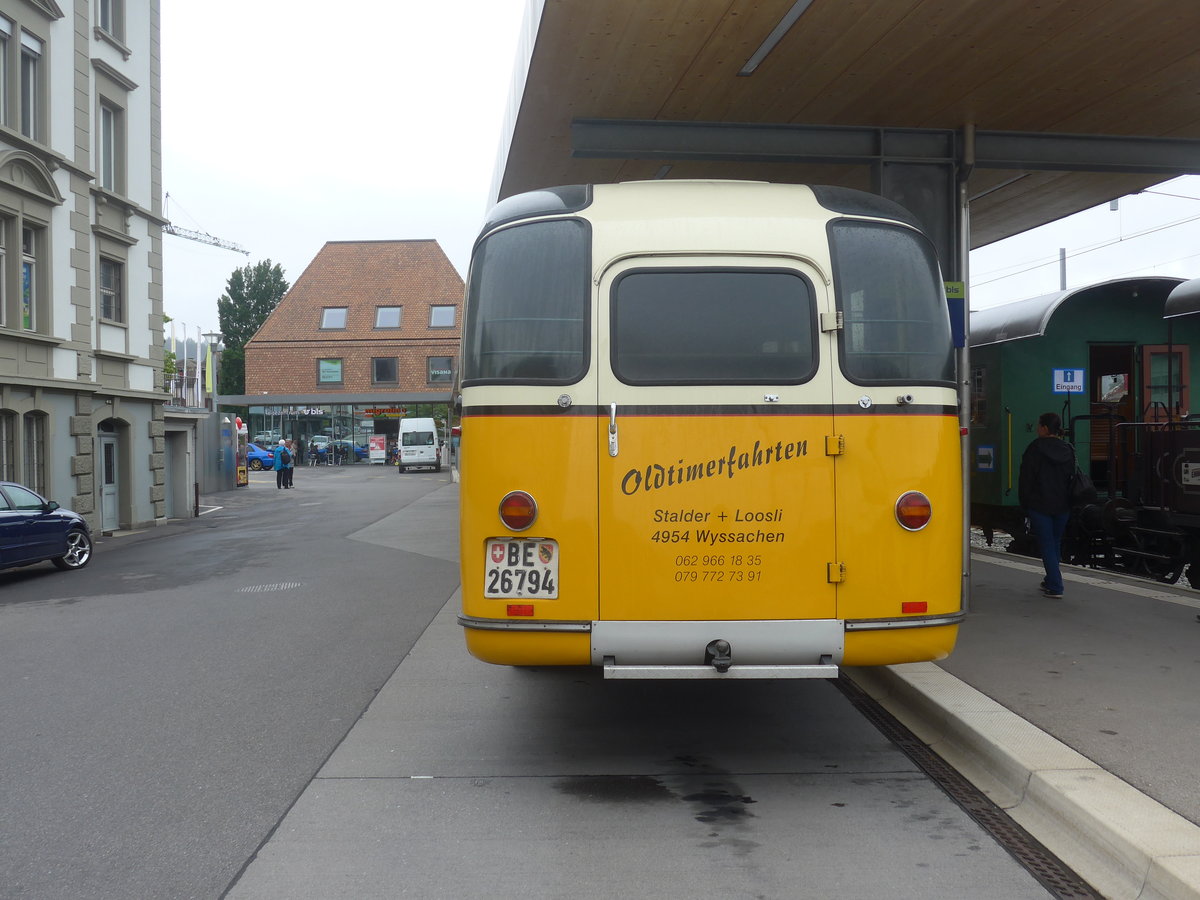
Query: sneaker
1051	595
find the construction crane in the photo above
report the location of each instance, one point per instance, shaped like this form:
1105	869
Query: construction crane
202	236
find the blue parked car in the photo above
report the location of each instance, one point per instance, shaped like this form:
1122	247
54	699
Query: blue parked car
33	529
257	458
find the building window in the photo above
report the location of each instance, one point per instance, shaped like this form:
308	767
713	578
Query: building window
441	316
6	33
31	56
333	317
29	279
24	288
8	449
112	18
4	226
329	371
112	303
440	369
112	147
384	370
387	316
35	452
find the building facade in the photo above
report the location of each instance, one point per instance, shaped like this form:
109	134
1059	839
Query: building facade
81	388
368	335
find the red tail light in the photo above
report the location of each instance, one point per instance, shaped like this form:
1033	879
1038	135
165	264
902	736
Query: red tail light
518	510
913	510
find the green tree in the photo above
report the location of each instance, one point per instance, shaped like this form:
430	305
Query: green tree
251	294
231	374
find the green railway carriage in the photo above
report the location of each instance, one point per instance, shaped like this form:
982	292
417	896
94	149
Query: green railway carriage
1115	361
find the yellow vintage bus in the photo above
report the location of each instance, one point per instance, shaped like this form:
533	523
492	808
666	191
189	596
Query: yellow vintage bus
708	429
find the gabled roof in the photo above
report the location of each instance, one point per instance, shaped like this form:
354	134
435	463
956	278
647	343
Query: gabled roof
363	275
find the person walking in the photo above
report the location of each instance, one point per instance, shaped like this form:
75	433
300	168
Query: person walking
290	465
280	466
1044	490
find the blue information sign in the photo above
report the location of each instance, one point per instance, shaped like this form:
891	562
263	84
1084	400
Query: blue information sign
1070	381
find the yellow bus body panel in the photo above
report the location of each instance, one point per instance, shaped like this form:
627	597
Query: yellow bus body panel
716	517
529	648
885	564
899	645
553	459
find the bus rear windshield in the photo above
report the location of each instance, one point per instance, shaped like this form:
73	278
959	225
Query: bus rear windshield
896	327
713	326
527	305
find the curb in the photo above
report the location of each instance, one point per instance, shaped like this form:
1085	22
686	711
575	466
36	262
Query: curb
1125	844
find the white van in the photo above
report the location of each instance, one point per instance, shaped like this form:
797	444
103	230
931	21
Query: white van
419	444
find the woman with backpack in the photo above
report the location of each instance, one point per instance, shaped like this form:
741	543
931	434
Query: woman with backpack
283	464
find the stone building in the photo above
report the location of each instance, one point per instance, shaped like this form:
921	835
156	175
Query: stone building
81	388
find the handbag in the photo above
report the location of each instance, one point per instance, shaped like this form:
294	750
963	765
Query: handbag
1082	490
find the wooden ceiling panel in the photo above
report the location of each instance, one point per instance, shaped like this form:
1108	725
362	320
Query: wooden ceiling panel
1083	67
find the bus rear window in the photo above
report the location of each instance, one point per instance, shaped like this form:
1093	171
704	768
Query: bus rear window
527	305
713	326
896	327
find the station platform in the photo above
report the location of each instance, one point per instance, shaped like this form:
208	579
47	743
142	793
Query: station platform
1078	716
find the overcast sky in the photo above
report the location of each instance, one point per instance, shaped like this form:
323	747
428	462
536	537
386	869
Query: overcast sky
286	125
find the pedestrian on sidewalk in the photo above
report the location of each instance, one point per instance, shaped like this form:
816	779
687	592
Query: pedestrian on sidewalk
1044	490
290	465
281	469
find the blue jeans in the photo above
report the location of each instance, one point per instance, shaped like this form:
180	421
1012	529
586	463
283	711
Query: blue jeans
1049	529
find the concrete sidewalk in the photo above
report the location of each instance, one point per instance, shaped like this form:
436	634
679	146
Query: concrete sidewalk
1077	716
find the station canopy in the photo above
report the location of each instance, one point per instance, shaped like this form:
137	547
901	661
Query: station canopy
1043	108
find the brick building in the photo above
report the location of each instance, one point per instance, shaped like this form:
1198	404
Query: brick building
368	334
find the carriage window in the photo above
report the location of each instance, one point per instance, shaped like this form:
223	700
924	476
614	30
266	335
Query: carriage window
978	395
896	327
1114	388
743	326
527	305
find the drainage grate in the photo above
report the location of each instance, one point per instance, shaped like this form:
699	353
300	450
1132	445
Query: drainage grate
1043	865
264	588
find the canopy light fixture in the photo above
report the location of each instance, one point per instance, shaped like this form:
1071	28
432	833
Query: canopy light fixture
776	35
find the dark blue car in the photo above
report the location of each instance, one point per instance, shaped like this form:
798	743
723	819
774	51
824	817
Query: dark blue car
33	529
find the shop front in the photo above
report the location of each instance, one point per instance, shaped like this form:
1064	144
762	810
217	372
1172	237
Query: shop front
338	433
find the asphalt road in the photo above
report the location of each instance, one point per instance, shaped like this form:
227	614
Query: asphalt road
274	701
164	707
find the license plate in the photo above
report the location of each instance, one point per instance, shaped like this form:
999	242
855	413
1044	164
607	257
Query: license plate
521	569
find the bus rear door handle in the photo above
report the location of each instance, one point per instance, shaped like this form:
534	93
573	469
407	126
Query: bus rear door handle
612	430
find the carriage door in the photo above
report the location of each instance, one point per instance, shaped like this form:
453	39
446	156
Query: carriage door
714	487
1164	383
110	518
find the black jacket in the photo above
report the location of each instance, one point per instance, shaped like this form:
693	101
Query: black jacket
1045	481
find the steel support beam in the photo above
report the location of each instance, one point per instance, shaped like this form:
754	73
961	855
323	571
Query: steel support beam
651	139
